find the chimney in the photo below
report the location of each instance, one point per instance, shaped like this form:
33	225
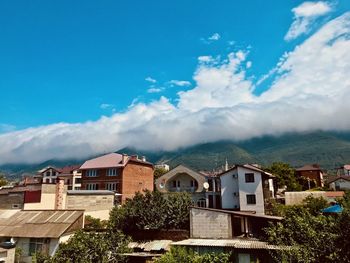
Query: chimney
134	157
59	194
143	158
124	158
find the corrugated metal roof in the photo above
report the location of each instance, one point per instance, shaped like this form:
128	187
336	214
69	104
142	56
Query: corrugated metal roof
155	245
37	223
242	243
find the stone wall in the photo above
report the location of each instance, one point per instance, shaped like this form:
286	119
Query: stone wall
210	224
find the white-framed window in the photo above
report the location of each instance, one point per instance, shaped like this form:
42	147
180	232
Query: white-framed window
112	172
91	186
91	173
111	186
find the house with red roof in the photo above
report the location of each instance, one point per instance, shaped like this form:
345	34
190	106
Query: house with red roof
125	175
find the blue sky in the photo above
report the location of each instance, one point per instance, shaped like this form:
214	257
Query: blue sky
74	62
61	60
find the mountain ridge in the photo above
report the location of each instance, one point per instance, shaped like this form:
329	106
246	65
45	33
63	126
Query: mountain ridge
329	149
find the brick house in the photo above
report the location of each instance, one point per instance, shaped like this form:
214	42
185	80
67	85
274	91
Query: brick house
312	172
119	173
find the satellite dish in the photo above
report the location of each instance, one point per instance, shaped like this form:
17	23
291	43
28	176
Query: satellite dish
206	186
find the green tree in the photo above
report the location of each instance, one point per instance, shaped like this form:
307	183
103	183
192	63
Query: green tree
315	204
152	210
158	172
3	180
285	176
93	247
94	223
304	237
178	211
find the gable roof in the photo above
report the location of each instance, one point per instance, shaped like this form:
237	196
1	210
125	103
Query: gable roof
249	167
344	177
104	161
200	178
48	167
37	223
309	167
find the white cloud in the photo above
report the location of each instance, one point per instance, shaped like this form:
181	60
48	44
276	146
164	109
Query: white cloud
304	16
310	91
105	106
180	83
214	37
155	90
151	80
205	59
249	64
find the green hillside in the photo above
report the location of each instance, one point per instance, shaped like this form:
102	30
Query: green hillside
329	149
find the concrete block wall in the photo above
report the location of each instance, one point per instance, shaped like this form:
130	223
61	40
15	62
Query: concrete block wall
296	198
210	224
90	202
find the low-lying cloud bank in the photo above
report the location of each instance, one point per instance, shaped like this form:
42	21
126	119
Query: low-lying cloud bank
310	91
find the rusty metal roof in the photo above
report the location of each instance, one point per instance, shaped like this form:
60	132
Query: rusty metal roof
241	243
37	223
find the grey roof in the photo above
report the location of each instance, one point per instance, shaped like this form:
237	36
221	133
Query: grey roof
37	223
154	245
90	192
241	243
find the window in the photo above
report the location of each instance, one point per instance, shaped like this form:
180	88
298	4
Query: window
47	181
249	177
251	200
53	173
194	183
210	182
112	172
78	180
77	188
91	173
91	187
201	202
38	245
111	186
48	173
176	183
68	182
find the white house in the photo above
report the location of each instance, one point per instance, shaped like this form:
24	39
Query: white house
340	183
246	188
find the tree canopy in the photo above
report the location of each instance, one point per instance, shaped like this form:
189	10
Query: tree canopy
152	210
309	236
285	176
